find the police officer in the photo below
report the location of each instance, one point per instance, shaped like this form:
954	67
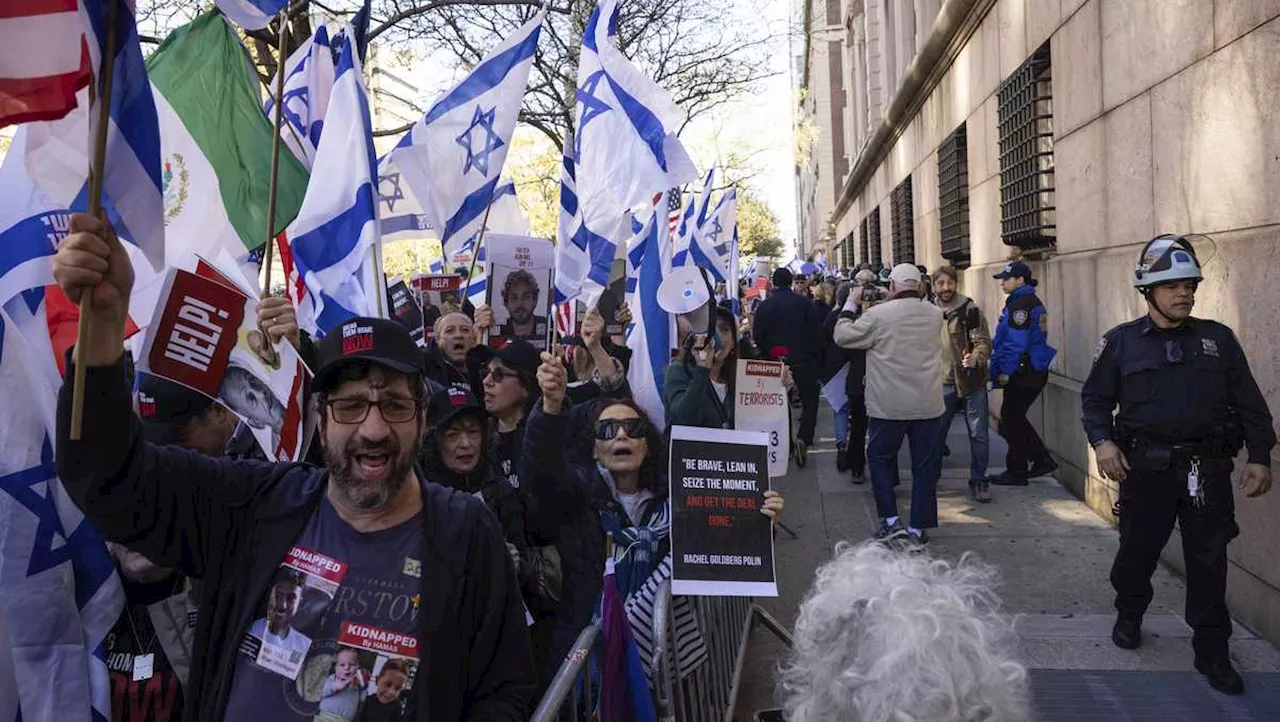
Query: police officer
1020	359
1188	402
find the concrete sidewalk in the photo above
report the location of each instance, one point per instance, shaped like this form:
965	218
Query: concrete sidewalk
1054	555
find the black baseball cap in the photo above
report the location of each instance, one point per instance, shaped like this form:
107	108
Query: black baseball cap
379	341
166	407
518	354
1014	269
449	402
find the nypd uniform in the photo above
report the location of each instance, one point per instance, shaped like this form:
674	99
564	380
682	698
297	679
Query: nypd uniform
1187	402
1020	351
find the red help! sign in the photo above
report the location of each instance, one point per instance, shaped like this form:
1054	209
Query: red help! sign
437	283
196	331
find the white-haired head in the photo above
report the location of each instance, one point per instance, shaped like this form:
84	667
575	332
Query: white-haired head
886	636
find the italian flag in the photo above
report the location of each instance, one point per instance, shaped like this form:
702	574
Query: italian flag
215	144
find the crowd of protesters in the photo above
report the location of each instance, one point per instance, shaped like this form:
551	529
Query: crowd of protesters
456	498
459	502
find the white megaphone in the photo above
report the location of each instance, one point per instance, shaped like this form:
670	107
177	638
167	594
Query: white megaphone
686	294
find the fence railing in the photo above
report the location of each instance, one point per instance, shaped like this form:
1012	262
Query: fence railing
572	696
709	692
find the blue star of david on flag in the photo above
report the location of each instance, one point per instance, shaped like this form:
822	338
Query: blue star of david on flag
716	229
592	107
479	159
21	485
389	191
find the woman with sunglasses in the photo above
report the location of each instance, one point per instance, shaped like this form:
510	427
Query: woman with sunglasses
698	389
622	492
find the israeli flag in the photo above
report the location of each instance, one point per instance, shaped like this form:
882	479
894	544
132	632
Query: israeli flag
711	241
252	14
583	257
308	85
505	215
650	337
58	153
335	235
625	148
452	158
59	592
31	225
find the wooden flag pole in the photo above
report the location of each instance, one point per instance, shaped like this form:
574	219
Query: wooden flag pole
268	250
97	170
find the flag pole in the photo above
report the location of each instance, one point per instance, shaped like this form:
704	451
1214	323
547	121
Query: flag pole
97	170
267	251
488	292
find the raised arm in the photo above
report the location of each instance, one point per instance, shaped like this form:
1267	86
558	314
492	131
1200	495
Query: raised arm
162	501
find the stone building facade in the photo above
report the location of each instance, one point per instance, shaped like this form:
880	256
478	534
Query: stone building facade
1068	133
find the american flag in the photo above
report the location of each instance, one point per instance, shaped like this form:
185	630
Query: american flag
673	210
45	60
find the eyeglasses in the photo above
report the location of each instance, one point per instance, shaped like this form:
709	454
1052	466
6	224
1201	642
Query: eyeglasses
500	374
394	410
607	429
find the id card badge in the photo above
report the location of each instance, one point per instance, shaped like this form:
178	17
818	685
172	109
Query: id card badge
143	667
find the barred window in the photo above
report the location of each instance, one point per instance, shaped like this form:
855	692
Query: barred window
863	243
873	237
902	220
953	196
846	251
1026	155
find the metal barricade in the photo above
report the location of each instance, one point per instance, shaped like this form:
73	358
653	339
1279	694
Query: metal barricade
710	692
572	695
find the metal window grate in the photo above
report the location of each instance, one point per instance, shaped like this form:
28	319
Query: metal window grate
846	251
1026	155
953	196
863	244
873	237
902	220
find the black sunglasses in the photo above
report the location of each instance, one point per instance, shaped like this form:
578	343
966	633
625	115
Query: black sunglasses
607	429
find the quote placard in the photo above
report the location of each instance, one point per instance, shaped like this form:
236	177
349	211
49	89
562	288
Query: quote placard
721	545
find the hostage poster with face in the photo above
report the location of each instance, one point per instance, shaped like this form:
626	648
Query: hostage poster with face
519	288
204	335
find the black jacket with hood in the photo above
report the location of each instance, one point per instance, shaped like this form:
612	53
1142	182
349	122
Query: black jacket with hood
231	523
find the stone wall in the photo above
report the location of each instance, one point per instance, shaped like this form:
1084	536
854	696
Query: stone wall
1164	121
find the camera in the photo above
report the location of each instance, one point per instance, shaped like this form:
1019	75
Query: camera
870	294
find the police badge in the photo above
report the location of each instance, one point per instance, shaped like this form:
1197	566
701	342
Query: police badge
1020	318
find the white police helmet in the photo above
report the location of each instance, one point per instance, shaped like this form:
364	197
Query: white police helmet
1166	259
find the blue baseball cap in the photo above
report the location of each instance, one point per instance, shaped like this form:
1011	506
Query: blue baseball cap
1014	269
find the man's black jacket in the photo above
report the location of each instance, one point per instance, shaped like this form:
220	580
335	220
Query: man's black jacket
230	523
788	319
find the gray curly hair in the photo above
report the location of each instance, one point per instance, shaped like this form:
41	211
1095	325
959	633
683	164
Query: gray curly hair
885	636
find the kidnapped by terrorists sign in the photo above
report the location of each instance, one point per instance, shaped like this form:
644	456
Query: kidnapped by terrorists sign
721	545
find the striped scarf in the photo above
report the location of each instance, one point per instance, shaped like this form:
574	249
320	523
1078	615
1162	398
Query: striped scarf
639	573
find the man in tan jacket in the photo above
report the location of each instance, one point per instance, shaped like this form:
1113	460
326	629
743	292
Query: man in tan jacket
966	348
903	340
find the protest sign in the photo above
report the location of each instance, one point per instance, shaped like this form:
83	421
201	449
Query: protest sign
519	288
204	335
439	295
761	405
721	545
405	309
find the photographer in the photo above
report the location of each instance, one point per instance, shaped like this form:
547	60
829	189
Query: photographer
903	340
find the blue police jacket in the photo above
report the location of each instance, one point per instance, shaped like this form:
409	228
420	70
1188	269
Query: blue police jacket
1022	331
